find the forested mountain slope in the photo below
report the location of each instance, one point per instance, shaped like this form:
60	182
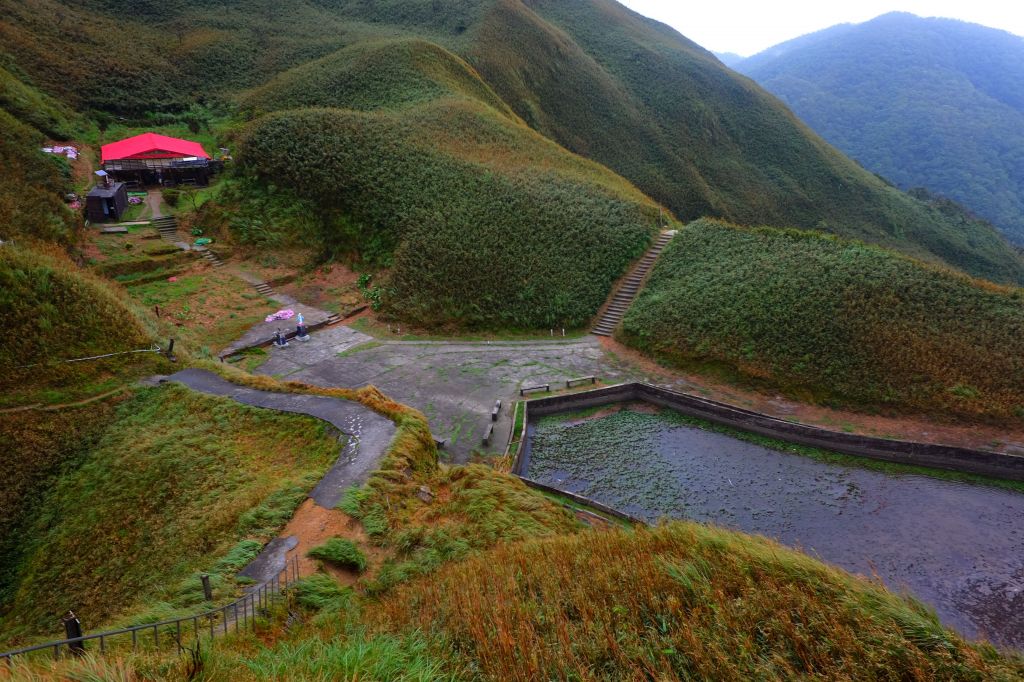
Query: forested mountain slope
932	103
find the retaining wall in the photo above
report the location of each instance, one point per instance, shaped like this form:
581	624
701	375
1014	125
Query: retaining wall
903	452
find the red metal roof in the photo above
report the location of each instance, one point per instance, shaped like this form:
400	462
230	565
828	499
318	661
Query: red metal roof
151	146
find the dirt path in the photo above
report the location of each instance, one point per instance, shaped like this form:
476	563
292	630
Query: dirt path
314	525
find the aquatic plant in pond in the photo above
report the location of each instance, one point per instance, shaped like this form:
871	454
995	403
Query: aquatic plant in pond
613	459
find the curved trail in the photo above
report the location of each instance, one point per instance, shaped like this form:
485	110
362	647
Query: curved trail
369	433
369	436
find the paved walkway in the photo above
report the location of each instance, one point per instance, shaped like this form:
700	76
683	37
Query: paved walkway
455	384
154	200
369	433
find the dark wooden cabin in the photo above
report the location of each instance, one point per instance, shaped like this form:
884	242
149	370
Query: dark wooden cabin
106	202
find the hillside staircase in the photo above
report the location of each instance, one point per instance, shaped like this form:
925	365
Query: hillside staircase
167	226
623	297
168	229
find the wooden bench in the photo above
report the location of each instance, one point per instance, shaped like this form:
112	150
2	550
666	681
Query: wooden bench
582	380
488	433
496	411
527	389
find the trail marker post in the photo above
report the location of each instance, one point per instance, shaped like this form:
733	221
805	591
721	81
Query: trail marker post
73	630
207	590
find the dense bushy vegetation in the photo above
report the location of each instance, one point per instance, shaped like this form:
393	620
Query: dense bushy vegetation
31	186
38	448
679	602
833	320
174	482
489	223
32	108
925	102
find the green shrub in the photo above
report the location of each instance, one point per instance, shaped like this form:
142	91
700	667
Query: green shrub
170	196
342	552
321	592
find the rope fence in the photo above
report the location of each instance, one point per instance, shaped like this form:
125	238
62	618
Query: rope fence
154	349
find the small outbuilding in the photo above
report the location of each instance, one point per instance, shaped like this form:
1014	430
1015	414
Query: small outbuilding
152	159
106	202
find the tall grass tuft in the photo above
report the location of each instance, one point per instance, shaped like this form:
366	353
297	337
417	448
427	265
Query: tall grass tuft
676	602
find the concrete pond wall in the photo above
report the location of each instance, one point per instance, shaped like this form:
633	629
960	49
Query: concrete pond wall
948	457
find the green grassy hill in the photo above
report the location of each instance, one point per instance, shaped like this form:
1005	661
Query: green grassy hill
489	224
54	311
32	185
665	114
678	602
926	102
834	321
386	74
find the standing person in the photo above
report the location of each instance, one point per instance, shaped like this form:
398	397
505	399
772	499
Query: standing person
301	333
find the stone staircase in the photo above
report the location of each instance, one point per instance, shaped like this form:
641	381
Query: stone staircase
209	255
623	297
167	226
168	229
264	289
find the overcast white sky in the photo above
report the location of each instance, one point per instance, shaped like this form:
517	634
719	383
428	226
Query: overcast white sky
749	26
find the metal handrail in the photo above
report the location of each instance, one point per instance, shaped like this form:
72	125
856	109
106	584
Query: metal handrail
258	597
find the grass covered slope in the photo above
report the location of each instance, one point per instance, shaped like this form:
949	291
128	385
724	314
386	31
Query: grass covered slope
387	74
178	482
39	447
678	602
31	186
489	224
600	80
834	321
489	579
54	311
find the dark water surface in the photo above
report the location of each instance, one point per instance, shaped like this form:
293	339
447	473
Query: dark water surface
958	547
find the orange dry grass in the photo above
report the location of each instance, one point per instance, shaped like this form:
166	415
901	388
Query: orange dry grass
682	601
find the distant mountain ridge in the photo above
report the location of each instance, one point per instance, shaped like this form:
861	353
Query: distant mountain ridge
936	103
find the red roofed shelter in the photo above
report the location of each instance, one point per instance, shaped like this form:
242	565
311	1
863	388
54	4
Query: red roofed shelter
151	159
